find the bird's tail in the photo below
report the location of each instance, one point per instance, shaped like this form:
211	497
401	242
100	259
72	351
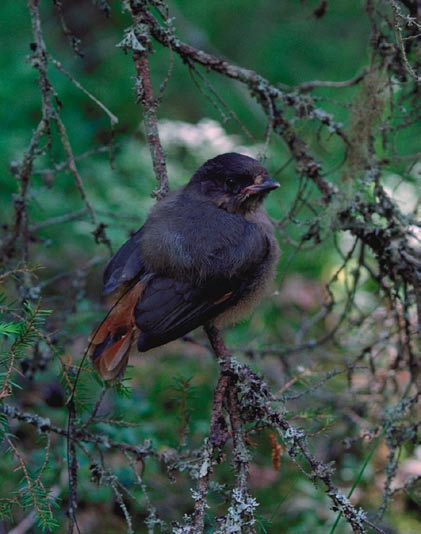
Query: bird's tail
110	343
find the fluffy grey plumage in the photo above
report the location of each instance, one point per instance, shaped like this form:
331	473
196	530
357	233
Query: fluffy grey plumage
206	254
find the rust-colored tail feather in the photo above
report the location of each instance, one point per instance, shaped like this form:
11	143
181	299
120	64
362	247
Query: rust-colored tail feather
110	343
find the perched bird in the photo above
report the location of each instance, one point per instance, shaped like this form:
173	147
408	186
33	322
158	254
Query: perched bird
205	255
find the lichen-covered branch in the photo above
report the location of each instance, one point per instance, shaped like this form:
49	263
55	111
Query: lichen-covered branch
343	359
258	86
141	47
256	399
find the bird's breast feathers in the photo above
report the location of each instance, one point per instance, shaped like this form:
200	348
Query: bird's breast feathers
200	243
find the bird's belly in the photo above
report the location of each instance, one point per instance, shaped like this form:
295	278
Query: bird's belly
260	286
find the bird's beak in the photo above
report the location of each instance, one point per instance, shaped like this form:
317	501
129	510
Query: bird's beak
262	183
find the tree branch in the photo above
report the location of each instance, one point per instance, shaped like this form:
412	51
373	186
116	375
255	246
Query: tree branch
145	95
256	399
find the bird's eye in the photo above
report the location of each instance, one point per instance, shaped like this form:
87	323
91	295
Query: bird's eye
231	184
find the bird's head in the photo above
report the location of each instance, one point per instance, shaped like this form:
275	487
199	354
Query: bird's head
234	182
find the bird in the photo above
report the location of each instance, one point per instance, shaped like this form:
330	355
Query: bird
205	256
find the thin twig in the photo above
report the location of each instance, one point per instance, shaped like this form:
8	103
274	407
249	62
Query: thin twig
59	66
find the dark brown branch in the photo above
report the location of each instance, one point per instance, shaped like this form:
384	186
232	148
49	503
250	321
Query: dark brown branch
256	396
257	85
44	425
20	223
49	113
145	95
218	433
308	86
378	239
218	436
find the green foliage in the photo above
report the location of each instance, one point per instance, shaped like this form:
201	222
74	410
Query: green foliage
33	496
9	329
4	427
335	342
21	337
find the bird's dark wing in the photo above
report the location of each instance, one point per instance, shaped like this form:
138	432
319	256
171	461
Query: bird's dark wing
188	238
125	265
169	309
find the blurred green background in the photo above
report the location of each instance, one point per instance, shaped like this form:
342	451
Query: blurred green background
170	391
284	42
